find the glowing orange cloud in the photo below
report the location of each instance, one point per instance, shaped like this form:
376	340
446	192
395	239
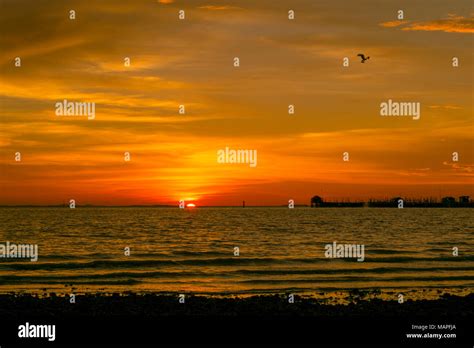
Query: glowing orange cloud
451	24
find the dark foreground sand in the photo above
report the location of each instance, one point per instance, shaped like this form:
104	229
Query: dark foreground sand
152	306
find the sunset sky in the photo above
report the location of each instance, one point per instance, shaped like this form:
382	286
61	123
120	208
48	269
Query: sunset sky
190	62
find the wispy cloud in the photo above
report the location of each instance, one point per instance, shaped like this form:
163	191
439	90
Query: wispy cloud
445	107
219	7
451	24
392	24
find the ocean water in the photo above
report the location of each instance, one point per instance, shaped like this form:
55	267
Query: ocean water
281	250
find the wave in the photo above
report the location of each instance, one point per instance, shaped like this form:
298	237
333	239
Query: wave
233	261
233	275
380	270
117	275
39	280
110	264
122	279
356	280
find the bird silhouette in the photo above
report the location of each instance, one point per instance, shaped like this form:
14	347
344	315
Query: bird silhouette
362	57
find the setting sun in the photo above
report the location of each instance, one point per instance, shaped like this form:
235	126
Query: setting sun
191	205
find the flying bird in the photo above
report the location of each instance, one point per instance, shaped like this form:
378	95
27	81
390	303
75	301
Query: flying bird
362	57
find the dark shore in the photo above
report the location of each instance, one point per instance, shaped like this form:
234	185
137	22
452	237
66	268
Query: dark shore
103	306
264	321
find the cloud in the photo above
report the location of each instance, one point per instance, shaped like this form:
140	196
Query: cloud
446	107
451	24
468	168
392	24
219	8
165	1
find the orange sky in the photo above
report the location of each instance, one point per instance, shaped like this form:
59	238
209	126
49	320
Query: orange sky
190	62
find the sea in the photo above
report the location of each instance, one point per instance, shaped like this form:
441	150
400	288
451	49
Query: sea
220	251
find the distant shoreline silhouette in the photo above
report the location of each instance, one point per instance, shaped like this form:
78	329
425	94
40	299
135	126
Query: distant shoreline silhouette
396	202
315	202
